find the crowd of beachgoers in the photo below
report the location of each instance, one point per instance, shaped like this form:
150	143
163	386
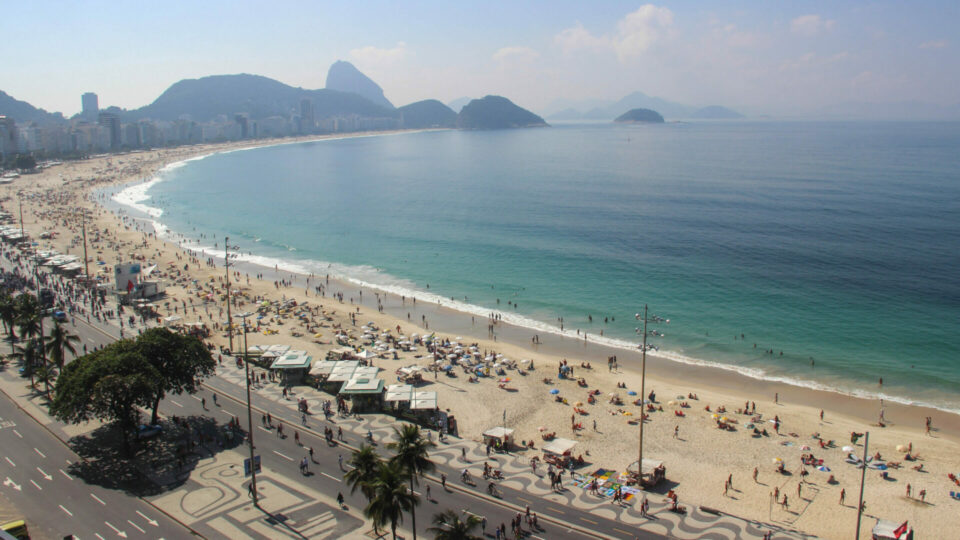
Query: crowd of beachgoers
735	446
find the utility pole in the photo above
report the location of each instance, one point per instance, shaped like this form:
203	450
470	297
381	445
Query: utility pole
20	200
86	267
643	398
226	267
863	477
246	368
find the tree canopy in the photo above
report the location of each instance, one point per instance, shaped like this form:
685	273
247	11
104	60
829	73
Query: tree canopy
112	384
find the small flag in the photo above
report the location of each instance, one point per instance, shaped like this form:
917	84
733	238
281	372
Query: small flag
899	531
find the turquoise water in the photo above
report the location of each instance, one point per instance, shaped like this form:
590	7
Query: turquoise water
837	242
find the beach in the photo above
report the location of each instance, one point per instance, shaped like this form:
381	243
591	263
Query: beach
699	457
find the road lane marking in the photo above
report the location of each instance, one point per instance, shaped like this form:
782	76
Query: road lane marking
98	499
622	531
176	403
195	397
265	429
557	510
36	485
330	477
98	536
39	452
11	483
65	510
137	527
18	434
10	461
65	474
116	530
283	456
149	520
45	475
524	500
588	521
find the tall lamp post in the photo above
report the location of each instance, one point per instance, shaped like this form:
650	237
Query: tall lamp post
226	268
246	367
863	477
643	386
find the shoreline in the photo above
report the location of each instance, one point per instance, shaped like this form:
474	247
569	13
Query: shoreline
698	461
608	346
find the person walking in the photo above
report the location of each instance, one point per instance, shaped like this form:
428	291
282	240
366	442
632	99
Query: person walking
296	437
843	495
215	404
340	461
340	499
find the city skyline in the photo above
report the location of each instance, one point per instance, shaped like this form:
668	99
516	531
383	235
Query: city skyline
761	59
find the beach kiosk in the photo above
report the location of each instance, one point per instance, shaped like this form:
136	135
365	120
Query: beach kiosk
890	530
292	366
365	393
499	437
654	472
558	452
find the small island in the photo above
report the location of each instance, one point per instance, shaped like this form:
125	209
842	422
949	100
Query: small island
496	112
640	116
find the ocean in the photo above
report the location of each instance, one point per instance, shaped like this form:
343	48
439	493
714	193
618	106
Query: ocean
835	245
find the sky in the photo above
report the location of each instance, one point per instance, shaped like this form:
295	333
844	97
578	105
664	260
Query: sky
778	58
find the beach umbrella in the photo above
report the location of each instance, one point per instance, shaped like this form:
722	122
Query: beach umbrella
578	404
823	468
848	449
505	380
714	416
804	447
554	391
901	448
631	393
777	460
541	428
724	419
671	402
447	368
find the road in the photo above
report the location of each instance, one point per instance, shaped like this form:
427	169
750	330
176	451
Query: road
35	477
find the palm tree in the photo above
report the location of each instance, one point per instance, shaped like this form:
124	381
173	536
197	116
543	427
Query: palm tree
29	317
29	356
390	497
366	465
46	373
8	314
413	453
59	342
449	526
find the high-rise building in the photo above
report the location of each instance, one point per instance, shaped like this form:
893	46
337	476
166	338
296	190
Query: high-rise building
111	122
307	120
9	137
91	105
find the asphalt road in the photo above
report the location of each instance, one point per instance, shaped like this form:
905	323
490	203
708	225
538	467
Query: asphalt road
35	477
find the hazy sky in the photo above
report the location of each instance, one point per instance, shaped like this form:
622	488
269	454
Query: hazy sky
759	57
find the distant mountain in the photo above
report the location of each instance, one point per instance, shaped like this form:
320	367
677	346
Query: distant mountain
593	109
567	114
25	113
715	112
344	77
640	116
427	113
459	103
205	98
496	112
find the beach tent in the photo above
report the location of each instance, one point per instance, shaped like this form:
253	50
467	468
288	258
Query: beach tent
366	355
559	447
887	530
422	400
398	393
292	366
500	433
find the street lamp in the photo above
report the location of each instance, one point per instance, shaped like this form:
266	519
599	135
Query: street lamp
246	367
226	266
643	385
863	477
